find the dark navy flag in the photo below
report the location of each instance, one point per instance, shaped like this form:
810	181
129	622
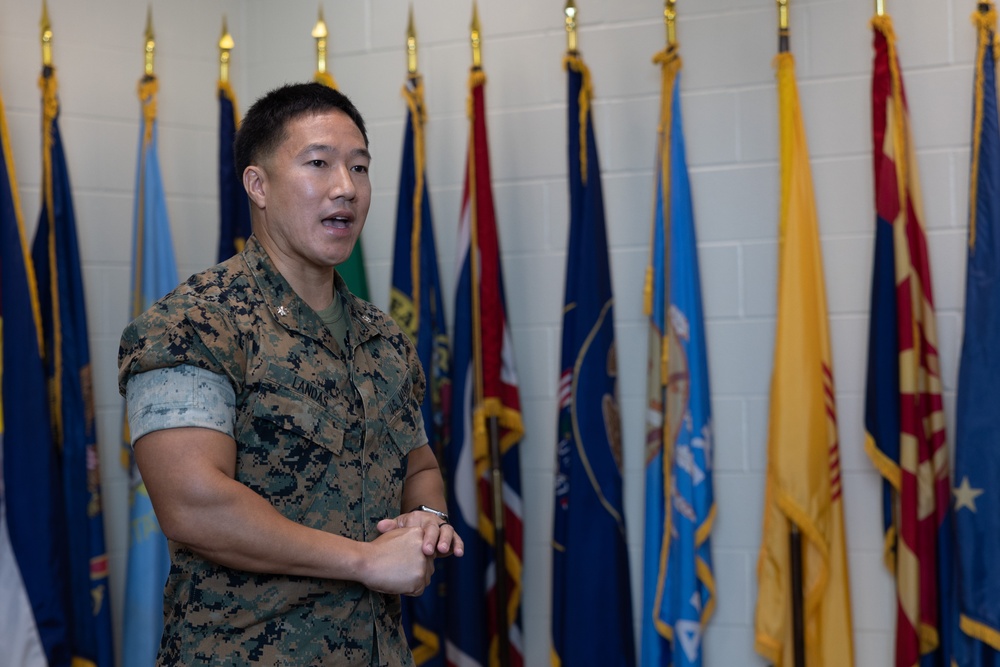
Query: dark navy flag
416	305
591	591
977	442
67	359
234	207
34	569
678	583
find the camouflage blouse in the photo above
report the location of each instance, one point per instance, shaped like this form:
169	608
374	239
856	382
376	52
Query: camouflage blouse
322	433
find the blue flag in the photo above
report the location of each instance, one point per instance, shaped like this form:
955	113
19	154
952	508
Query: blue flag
234	206
591	590
154	274
678	584
416	305
977	442
67	355
34	568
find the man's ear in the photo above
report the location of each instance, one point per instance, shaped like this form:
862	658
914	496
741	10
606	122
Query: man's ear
253	182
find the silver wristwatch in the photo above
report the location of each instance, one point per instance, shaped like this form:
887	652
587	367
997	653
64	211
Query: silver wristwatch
441	515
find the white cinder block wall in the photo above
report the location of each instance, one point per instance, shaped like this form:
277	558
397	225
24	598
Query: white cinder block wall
731	130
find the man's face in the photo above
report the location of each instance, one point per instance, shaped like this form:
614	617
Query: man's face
316	190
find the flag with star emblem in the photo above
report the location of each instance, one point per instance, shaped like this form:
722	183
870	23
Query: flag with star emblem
904	411
154	273
591	590
977	434
71	397
678	583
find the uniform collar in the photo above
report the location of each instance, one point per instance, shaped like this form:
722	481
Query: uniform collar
288	308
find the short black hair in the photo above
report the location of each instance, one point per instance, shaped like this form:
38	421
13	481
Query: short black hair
263	127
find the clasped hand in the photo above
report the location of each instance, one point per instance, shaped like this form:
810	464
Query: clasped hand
403	561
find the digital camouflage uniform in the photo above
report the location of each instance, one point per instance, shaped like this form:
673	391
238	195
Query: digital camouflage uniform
321	434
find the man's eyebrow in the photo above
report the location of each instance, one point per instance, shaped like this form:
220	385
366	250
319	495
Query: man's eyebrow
357	152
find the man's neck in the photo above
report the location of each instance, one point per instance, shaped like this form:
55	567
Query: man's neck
314	285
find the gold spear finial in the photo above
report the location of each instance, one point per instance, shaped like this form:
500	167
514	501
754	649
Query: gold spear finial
477	57
670	19
879	7
46	36
226	45
320	34
782	26
150	42
570	11
411	45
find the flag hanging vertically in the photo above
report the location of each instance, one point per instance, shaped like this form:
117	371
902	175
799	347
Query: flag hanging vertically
803	483
678	583
56	258
234	207
35	612
977	434
486	415
415	303
591	589
154	274
353	270
904	411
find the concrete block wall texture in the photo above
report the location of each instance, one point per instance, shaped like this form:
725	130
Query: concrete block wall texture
729	102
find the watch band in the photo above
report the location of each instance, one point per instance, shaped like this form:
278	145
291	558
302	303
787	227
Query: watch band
441	515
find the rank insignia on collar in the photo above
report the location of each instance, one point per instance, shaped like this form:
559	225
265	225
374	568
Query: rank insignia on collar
282	311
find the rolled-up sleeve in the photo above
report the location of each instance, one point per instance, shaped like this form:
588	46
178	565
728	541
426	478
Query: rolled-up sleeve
179	396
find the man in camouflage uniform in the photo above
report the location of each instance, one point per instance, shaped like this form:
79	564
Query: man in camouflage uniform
276	421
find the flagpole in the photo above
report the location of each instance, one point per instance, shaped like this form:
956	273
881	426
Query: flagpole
794	535
320	34
670	19
492	423
226	45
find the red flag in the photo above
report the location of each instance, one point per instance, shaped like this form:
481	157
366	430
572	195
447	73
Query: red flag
486	429
904	415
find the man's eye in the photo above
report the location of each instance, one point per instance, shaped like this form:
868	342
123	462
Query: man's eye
318	163
360	168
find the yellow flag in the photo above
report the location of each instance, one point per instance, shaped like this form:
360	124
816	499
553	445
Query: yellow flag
803	470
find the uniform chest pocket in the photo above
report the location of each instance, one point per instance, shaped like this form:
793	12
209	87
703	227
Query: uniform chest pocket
296	414
288	449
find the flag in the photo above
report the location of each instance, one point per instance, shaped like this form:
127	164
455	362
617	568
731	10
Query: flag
234	207
56	258
484	386
904	411
678	584
803	481
591	589
154	274
353	270
415	303
35	618
977	435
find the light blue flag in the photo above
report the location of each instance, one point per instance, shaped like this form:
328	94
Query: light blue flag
154	275
678	585
977	441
